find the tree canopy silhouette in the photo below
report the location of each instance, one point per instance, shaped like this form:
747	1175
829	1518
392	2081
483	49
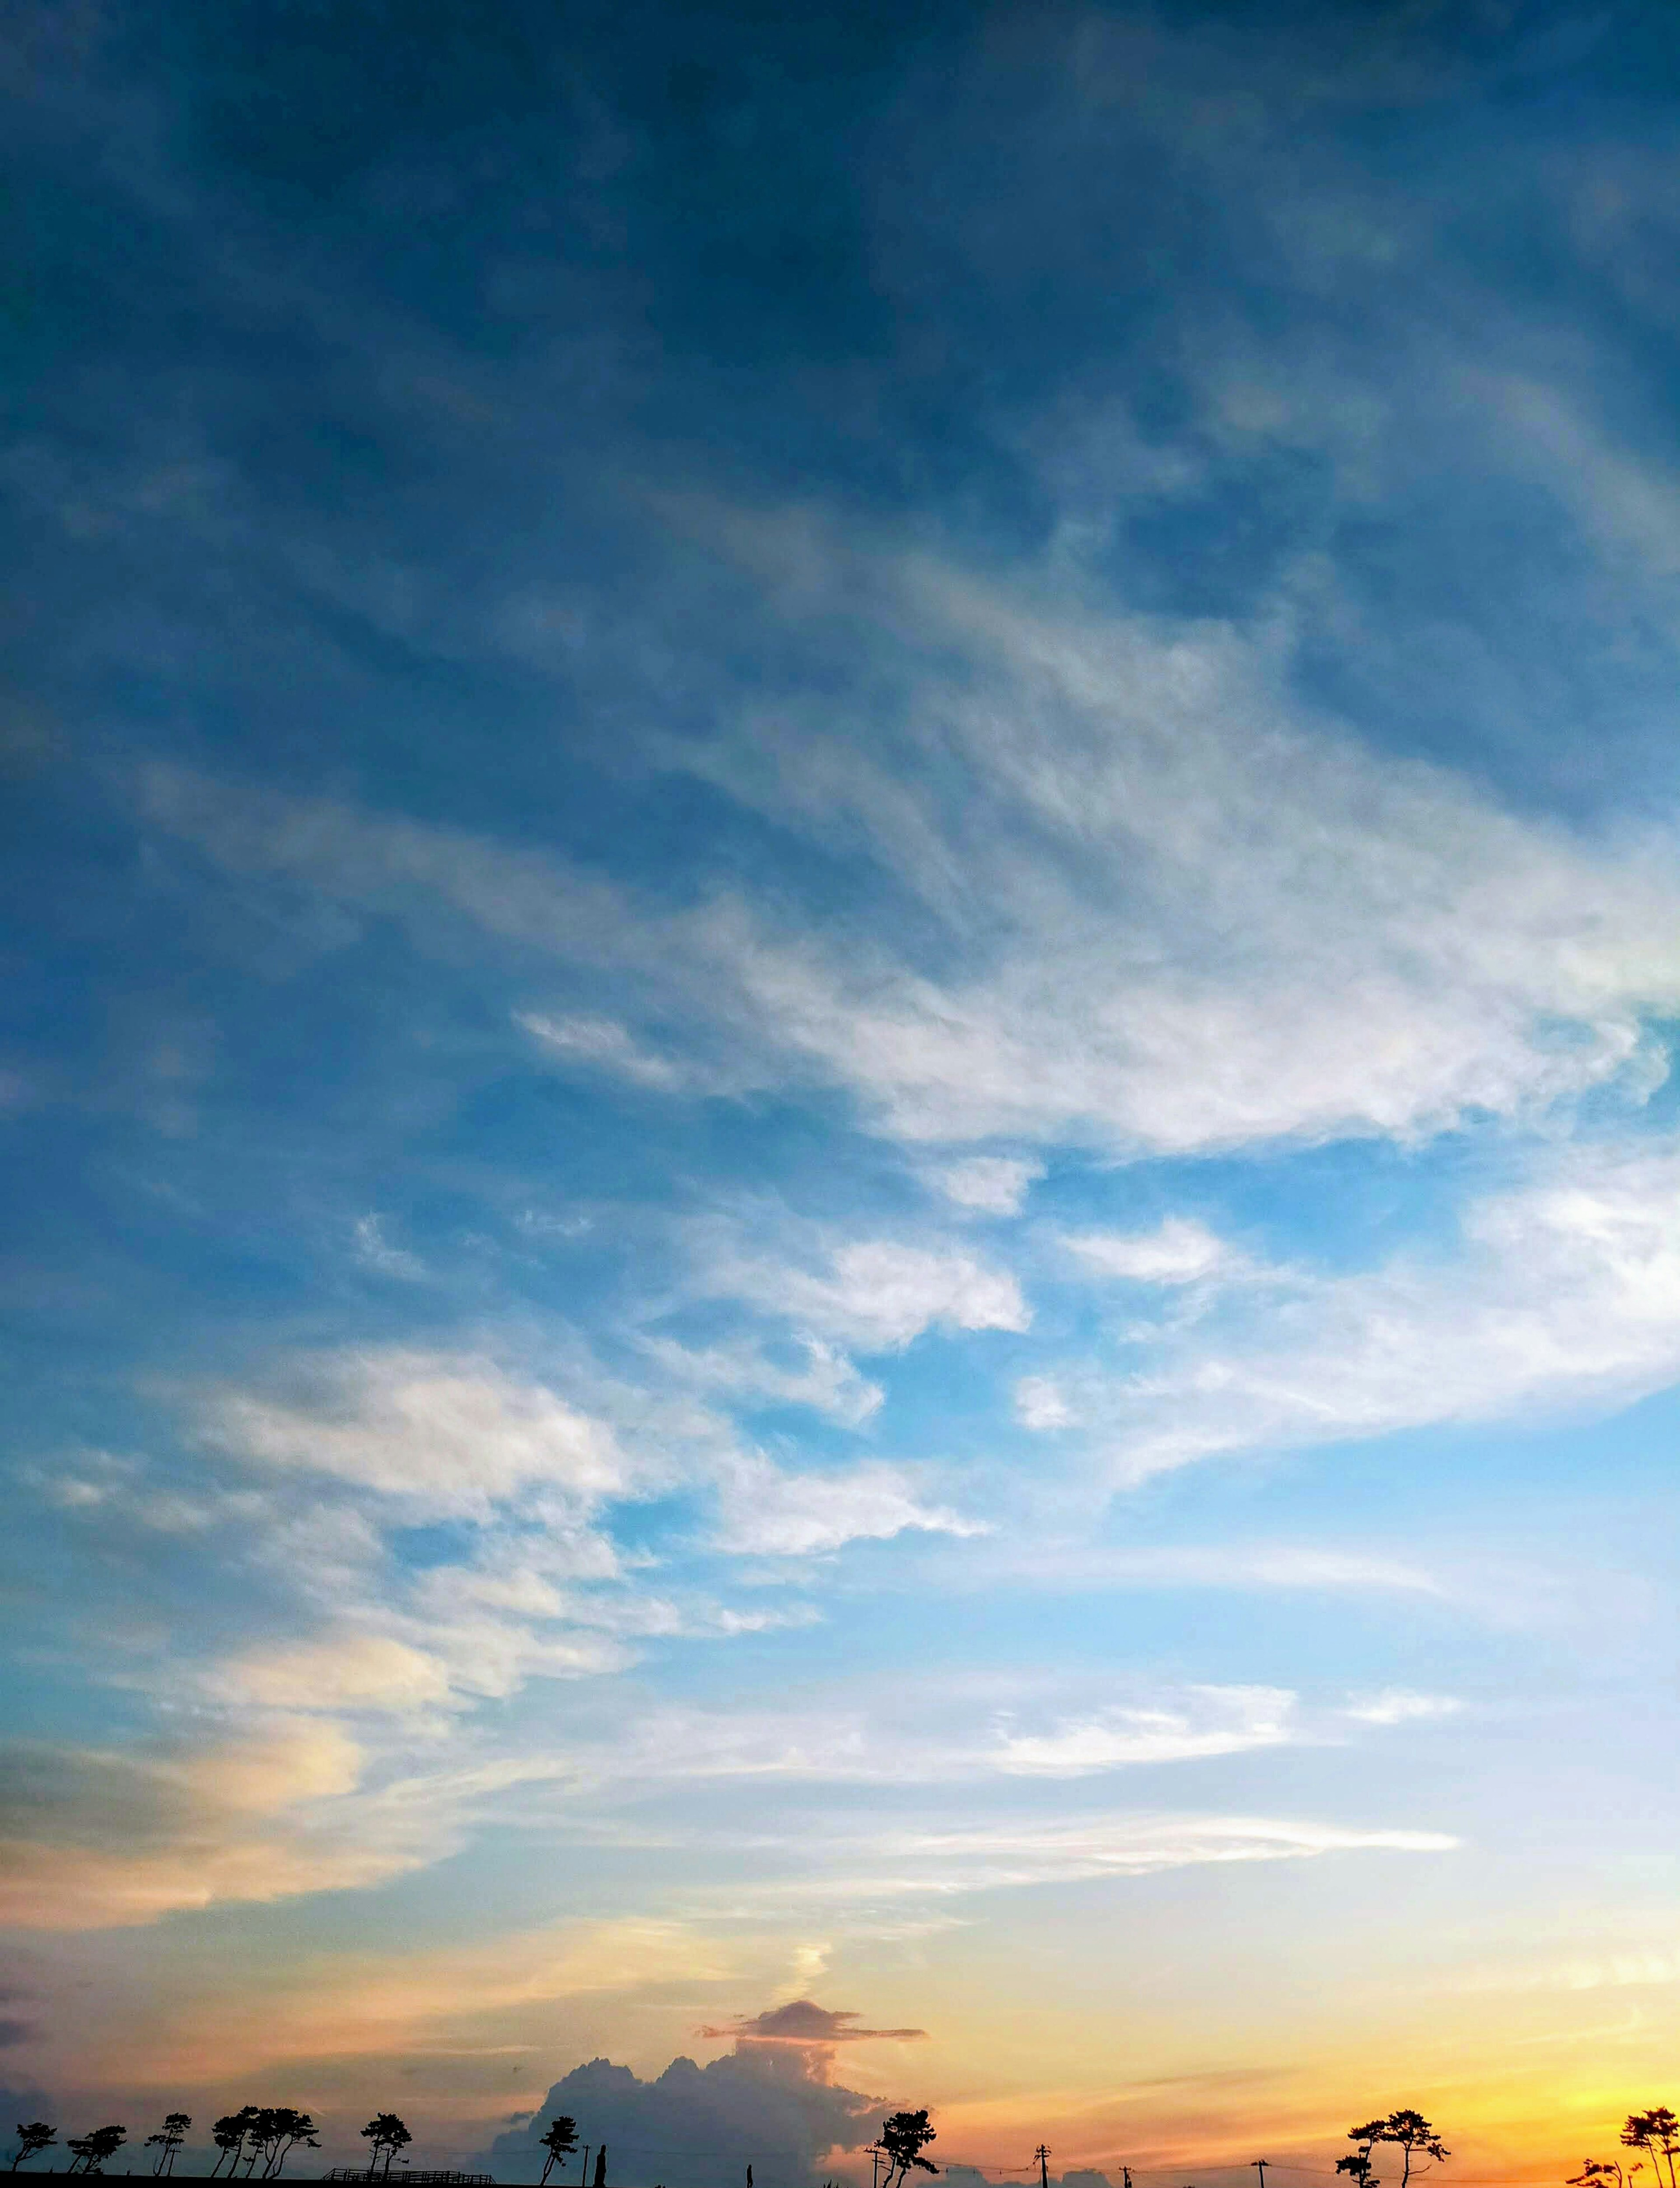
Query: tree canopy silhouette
1594	2172
385	2135
904	2137
35	2137
1657	2133
560	2140
168	2140
1411	2133
261	2135
88	2152
228	2134
286	2129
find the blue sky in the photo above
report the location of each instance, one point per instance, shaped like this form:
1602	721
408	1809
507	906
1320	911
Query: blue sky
842	934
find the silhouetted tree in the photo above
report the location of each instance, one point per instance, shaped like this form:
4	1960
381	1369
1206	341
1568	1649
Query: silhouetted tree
35	2137
560	2140
1410	2133
288	2129
1594	2175
228	2135
904	2137
261	2131
168	2140
600	2167
386	2133
89	2151
1357	2164
1657	2133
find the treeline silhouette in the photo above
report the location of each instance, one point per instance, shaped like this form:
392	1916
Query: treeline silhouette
257	2139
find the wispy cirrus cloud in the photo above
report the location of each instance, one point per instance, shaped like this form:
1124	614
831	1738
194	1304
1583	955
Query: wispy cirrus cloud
716	918
446	1434
1178	1251
1011	1855
1211	918
1217	1721
602	1042
1566	1294
821	1376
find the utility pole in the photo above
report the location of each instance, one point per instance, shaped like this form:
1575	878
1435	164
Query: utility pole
1043	2158
1260	2165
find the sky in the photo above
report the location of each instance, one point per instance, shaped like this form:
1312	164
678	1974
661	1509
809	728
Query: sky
842	934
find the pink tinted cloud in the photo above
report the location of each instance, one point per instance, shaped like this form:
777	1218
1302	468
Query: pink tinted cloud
803	2026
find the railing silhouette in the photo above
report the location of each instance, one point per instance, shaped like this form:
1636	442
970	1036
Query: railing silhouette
413	2177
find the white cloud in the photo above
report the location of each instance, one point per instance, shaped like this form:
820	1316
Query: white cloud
604	1043
375	1249
1399	1706
445	1433
827	1380
1566	1293
1175	910
878	1293
1009	1855
1209	919
991	1185
1235	1566
766	1511
339	1672
1179	1251
1210	1721
1042	1403
1631	505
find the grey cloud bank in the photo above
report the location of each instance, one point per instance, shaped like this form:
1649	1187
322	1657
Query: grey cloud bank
757	2105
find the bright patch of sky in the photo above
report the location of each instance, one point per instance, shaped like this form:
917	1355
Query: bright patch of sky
843	897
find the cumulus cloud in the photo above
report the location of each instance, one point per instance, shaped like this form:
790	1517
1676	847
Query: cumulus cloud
766	1511
767	2104
990	1185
